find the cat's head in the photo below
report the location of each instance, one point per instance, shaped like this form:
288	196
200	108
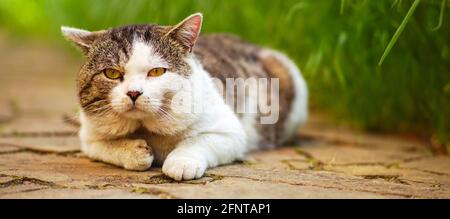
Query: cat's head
134	71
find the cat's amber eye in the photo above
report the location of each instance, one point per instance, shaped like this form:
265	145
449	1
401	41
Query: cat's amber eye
156	72
112	73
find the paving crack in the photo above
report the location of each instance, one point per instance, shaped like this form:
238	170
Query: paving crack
388	178
19	180
24	191
385	164
314	139
18	134
425	171
163	179
153	191
394	165
22	149
19	150
326	187
314	163
326	167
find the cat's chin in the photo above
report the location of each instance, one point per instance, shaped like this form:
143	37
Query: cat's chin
135	114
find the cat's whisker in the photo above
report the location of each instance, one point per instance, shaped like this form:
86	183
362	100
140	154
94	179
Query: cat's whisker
166	114
100	109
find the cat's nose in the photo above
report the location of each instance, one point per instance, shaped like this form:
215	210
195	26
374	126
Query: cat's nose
134	95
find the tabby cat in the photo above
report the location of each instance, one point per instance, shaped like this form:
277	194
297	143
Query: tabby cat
160	94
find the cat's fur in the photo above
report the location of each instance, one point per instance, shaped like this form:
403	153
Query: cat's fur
186	143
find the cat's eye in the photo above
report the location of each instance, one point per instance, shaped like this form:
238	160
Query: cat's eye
112	73
156	72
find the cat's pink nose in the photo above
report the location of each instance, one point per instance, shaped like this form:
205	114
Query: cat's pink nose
134	95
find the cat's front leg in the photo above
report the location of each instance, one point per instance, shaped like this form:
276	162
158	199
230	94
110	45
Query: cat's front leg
131	154
194	155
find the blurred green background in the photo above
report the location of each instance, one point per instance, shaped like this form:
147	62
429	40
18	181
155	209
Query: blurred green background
338	45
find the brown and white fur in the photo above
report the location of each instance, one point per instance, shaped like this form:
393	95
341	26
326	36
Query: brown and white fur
134	135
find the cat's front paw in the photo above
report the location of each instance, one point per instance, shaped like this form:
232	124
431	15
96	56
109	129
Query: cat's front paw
183	168
138	157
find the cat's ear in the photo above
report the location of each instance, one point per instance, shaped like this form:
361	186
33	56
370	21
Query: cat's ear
187	31
82	38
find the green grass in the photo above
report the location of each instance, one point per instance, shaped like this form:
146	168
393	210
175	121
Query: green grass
370	63
399	31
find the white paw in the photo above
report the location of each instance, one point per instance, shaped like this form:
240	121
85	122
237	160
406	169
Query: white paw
138	157
183	168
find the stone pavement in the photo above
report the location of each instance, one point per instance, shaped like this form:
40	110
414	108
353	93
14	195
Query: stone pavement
40	158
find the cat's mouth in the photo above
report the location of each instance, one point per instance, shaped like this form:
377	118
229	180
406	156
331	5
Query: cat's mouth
135	112
134	109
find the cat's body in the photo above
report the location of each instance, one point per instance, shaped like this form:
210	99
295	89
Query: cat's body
135	120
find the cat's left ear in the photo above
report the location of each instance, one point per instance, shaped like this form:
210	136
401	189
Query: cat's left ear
82	38
187	31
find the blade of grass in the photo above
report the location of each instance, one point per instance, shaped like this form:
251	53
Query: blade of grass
294	9
441	16
399	31
342	6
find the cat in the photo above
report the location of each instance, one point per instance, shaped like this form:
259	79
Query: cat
136	78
